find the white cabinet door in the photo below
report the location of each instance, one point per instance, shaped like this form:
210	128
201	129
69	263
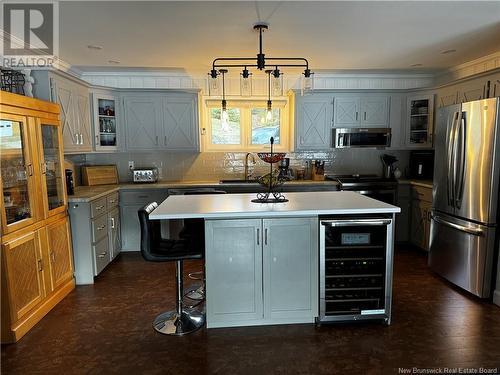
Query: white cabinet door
347	111
114	232
143	118
374	111
233	264
290	268
313	122
180	130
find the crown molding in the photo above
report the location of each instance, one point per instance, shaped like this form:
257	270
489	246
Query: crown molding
471	68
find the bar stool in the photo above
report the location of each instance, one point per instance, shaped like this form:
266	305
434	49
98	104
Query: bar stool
155	249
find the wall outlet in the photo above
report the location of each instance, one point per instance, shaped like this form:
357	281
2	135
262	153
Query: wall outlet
131	164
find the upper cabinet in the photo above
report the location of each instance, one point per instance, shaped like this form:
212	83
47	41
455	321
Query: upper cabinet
73	99
161	121
106	125
313	122
355	110
419	121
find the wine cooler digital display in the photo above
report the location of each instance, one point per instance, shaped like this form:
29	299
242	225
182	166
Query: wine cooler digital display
353	268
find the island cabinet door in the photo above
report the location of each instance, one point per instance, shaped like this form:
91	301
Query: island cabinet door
290	264
233	261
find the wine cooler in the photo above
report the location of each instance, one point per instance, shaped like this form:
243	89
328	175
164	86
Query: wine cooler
355	268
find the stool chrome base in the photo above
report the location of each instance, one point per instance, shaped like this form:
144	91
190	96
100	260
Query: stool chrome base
171	323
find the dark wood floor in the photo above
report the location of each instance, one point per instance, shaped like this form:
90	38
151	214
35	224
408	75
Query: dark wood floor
106	328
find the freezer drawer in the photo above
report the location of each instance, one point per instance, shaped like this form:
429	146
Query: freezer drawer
462	252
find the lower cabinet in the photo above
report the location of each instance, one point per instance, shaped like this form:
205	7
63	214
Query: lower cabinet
130	203
37	272
96	235
261	271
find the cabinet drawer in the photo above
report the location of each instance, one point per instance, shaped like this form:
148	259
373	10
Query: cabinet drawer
422	194
99	228
101	255
98	207
143	197
112	200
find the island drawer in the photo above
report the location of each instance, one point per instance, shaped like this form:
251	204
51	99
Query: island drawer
101	255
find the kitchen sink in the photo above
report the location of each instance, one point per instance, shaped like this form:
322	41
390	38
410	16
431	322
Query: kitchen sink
238	181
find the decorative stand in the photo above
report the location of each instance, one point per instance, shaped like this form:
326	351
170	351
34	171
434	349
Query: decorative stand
272	180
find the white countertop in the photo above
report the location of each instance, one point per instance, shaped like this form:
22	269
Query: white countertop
227	206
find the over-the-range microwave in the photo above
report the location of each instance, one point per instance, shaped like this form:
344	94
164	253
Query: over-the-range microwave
361	137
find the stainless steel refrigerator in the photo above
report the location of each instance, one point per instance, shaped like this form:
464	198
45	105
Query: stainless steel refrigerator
464	223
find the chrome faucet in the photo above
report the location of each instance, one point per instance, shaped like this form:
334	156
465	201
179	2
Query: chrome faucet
247	156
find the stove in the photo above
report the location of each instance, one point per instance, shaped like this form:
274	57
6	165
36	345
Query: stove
371	185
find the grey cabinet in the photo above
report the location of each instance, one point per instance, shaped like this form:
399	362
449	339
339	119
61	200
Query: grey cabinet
166	121
261	271
358	110
107	120
143	119
130	203
313	122
95	233
180	125
419	130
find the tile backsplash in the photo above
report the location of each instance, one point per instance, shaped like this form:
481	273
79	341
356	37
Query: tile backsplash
218	165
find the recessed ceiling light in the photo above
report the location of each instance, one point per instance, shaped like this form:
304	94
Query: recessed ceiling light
92	46
447	51
415	65
113	61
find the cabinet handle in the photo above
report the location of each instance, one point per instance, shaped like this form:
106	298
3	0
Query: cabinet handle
99	208
365	116
484	91
156	140
40	265
265	236
356	115
101	227
53	256
165	140
30	169
112	201
102	255
275	259
112	223
258	236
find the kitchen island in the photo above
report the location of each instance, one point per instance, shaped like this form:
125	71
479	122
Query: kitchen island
263	261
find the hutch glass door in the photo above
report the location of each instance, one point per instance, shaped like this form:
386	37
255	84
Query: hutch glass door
16	170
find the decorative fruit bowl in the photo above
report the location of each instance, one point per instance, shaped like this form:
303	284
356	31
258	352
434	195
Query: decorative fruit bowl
270	157
270	180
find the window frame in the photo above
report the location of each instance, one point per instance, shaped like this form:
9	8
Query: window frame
245	107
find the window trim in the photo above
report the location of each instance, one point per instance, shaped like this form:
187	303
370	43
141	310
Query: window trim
246	125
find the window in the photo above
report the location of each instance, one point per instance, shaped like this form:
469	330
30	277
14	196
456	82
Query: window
247	128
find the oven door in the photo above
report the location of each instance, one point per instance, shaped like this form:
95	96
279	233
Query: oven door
362	137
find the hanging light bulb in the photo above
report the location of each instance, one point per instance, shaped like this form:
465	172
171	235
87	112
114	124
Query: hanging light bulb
224	115
307	86
213	83
269	113
277	83
245	83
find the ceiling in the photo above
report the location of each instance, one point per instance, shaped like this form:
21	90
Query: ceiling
333	35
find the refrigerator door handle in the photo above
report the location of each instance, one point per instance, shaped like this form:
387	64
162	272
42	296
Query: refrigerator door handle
474	232
459	183
450	156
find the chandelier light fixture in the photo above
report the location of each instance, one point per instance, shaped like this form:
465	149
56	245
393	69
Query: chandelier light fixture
271	66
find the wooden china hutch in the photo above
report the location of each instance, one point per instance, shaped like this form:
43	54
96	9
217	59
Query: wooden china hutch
36	253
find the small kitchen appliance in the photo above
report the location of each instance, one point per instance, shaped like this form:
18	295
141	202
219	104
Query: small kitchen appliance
145	175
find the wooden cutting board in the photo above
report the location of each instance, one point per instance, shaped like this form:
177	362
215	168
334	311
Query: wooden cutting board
99	175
